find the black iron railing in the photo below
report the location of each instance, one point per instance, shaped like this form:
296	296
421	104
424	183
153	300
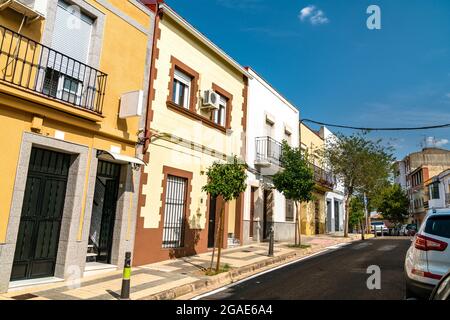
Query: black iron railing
268	149
36	67
323	176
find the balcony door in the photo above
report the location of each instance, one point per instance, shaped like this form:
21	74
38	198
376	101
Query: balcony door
67	73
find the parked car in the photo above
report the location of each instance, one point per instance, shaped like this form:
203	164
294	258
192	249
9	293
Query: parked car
403	230
442	290
379	226
428	258
411	230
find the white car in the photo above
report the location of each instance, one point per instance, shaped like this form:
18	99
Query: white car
428	258
379	226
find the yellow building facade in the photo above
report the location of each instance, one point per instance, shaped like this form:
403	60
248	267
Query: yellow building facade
68	171
313	214
196	117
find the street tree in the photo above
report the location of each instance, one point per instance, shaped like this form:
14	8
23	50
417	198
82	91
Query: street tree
226	181
358	162
393	204
357	213
295	181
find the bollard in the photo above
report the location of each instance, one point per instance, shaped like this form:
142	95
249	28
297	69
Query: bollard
125	292
271	242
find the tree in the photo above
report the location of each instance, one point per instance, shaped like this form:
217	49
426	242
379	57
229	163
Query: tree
356	214
227	181
358	162
295	181
393	204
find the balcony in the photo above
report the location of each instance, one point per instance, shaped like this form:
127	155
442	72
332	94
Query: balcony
268	154
37	68
323	178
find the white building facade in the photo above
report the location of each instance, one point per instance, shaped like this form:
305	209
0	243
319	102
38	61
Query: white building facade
439	191
335	209
271	119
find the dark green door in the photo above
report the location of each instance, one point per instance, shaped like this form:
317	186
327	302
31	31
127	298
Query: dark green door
104	210
42	210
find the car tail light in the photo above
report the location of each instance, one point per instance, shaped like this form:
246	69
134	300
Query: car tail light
425	274
429	244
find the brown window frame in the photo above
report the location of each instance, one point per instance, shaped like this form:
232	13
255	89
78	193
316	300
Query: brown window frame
192	112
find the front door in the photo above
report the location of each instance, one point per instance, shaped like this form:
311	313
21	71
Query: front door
337	213
317	217
42	211
212	221
329	216
104	211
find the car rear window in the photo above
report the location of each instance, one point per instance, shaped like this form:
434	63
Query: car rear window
438	226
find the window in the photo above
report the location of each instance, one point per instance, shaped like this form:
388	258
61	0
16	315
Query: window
181	91
289	210
219	116
269	128
66	70
438	226
174	212
434	190
287	136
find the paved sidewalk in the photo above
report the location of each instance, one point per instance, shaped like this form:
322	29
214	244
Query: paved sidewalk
174	278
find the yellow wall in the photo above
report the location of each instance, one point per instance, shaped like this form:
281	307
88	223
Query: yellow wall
312	143
123	58
177	43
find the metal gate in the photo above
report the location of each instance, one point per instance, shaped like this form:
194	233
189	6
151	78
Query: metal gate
174	212
42	210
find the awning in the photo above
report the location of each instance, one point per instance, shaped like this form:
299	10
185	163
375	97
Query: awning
120	158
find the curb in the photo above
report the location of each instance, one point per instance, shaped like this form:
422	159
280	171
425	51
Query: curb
230	276
220	279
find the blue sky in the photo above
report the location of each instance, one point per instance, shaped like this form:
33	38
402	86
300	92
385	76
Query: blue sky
333	68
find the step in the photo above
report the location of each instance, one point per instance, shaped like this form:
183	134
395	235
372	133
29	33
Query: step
91	255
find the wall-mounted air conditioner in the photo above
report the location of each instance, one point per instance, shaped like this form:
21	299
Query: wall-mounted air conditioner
32	9
210	100
131	104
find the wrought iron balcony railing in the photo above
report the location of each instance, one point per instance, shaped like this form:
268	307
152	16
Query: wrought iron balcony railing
323	177
36	67
268	150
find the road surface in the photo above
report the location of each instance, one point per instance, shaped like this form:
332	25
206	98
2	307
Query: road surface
338	274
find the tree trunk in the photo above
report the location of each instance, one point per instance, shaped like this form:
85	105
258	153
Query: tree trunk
216	235
362	229
298	227
347	205
219	250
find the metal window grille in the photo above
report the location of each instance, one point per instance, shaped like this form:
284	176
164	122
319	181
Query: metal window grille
174	212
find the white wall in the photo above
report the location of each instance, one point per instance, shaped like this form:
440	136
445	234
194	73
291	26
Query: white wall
263	100
338	192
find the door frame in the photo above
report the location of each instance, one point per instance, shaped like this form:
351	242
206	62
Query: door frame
68	246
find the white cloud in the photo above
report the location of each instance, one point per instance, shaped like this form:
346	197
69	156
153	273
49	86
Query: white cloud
314	15
432	141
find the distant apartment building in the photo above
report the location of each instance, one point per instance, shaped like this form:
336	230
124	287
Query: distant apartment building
416	169
271	119
438	190
72	89
196	116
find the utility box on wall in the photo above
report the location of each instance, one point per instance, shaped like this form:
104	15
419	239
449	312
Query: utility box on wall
131	104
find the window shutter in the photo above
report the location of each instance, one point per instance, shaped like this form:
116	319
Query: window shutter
71	37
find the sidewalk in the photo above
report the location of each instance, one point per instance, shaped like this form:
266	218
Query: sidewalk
175	278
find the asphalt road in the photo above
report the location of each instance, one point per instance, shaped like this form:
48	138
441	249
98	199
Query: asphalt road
339	274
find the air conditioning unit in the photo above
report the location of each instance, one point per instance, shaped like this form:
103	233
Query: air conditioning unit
32	9
211	100
131	104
